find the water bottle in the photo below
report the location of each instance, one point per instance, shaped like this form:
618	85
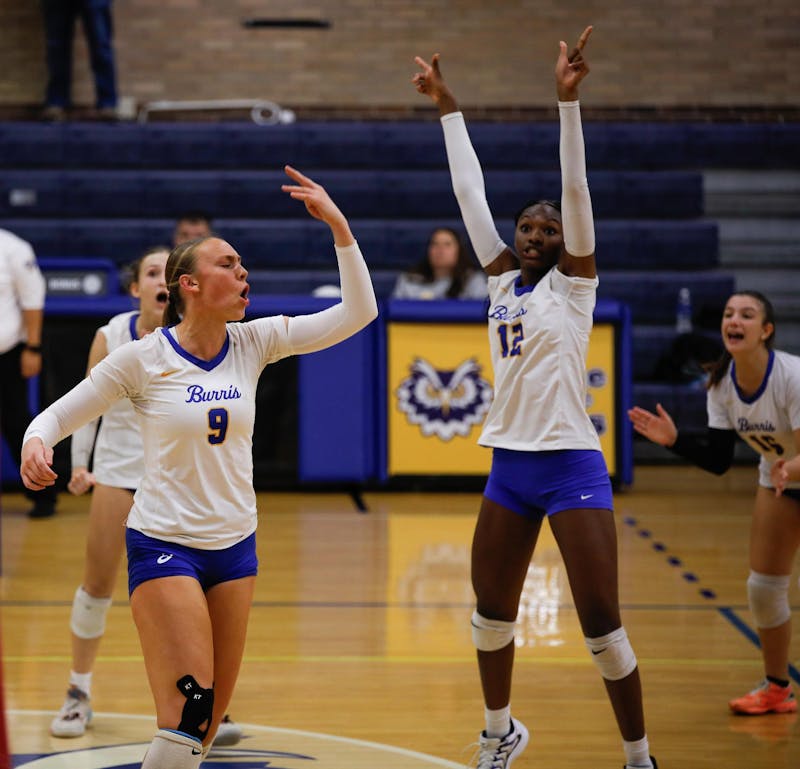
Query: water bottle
683	312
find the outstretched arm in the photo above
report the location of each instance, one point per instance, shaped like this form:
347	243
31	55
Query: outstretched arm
465	171
308	333
576	204
712	452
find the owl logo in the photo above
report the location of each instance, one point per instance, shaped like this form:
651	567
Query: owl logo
444	403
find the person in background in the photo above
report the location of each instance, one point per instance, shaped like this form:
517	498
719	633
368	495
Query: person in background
59	24
22	292
546	457
191	225
446	271
753	391
191	531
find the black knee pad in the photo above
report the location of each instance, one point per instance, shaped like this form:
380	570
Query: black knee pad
196	716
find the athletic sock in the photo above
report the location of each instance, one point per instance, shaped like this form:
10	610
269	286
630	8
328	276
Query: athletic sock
637	754
498	722
82	681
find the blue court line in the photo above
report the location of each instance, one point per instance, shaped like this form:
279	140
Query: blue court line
749	633
726	611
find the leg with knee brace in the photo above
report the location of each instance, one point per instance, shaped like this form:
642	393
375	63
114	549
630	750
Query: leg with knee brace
613	654
768	596
196	716
173	750
489	635
88	618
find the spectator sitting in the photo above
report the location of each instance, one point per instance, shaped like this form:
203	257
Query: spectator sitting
446	271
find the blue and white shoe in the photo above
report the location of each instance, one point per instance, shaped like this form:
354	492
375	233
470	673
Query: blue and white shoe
74	716
500	752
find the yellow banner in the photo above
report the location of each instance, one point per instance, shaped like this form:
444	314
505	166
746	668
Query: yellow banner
440	388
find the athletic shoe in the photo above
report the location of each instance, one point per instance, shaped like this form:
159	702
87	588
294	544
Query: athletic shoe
42	509
767	697
229	733
74	716
500	752
652	761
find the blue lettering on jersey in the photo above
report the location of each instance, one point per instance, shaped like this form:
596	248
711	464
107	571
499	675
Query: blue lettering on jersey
755	427
500	312
198	394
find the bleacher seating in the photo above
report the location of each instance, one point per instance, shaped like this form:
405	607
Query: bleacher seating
93	190
362	193
384	145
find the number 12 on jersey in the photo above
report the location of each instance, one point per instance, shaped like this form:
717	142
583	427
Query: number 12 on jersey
512	346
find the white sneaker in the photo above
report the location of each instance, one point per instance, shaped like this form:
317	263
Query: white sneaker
229	733
500	752
74	716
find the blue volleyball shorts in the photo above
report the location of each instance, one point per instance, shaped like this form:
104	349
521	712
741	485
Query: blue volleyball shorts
150	558
538	483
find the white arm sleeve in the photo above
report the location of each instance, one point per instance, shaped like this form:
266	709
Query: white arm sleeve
82	444
80	405
576	204
309	333
470	191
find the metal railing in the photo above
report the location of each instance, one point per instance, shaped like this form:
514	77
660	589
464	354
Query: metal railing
262	111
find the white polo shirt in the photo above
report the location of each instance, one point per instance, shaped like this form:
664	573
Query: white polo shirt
21	288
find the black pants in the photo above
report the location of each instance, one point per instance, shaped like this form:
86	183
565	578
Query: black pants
15	415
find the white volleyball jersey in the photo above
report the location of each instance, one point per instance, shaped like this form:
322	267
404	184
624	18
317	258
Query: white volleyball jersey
539	336
118	452
196	419
767	419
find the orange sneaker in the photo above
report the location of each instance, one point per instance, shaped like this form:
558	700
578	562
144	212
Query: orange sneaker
766	698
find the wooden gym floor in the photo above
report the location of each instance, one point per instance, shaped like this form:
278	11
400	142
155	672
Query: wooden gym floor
359	650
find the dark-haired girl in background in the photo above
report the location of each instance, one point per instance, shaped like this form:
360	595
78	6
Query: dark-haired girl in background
445	272
753	392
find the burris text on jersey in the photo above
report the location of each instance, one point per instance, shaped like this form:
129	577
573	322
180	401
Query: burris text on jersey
198	394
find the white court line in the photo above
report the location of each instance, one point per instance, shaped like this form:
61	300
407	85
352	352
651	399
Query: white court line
433	760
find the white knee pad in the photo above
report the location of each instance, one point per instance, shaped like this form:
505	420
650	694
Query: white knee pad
489	635
173	750
88	614
613	654
768	597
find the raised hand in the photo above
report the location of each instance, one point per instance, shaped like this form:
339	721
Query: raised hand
429	81
658	428
319	204
571	68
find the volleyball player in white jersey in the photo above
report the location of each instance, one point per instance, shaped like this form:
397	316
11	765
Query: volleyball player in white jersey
117	470
546	454
191	532
753	392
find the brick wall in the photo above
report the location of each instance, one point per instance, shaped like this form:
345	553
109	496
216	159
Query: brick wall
655	54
